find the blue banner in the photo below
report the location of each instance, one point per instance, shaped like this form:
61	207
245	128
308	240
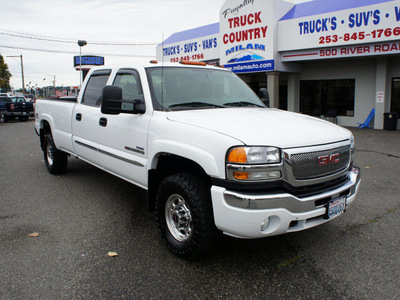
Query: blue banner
251	66
89	60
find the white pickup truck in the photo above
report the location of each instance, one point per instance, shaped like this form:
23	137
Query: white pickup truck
211	155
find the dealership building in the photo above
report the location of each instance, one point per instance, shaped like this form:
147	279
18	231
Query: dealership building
338	60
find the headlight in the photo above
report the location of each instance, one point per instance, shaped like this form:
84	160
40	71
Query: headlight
254	164
254	155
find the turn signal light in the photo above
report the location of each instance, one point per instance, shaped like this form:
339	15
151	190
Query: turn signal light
241	175
237	155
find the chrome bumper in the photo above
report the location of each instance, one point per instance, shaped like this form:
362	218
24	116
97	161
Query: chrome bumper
242	215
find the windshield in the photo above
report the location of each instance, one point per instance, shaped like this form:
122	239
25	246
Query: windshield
175	88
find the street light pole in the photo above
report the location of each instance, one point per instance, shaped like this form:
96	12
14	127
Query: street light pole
43	91
81	44
54	85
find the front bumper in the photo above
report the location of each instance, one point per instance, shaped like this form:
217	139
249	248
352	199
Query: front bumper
245	215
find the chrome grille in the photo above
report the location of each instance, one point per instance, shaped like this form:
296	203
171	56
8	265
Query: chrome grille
306	165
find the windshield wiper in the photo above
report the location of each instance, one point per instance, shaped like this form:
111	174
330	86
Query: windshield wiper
242	103
195	104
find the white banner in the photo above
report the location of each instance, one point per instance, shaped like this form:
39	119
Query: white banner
361	25
199	49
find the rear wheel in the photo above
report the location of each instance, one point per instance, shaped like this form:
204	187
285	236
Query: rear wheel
184	215
56	160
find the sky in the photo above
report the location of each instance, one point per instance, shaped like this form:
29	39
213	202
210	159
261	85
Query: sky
45	33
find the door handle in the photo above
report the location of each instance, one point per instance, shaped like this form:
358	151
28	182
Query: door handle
78	117
103	122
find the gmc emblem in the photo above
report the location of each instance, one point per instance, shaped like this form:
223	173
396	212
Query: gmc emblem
328	159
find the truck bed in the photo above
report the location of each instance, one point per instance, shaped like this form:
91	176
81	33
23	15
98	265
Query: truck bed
58	113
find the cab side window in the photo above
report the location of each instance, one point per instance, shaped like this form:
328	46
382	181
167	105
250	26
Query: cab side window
94	88
129	81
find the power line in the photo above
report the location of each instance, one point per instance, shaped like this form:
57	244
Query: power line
70	41
70	52
19	73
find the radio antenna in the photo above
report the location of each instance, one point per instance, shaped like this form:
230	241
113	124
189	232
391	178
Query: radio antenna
162	72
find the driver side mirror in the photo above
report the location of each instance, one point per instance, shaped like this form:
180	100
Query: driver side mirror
263	94
113	104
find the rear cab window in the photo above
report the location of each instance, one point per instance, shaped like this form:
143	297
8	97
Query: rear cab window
94	88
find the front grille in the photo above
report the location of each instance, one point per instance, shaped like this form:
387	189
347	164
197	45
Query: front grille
306	165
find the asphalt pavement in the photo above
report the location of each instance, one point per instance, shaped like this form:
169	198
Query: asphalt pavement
84	214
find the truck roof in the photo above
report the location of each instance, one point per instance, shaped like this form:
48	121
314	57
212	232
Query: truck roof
154	63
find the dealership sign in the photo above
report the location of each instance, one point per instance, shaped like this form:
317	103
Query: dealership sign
376	21
201	47
88	60
246	36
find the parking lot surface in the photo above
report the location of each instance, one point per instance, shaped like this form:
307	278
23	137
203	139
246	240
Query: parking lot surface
86	213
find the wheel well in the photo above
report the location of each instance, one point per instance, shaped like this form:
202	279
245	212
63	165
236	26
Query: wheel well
167	165
43	131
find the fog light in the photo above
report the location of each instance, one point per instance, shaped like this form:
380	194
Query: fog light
274	174
265	224
241	175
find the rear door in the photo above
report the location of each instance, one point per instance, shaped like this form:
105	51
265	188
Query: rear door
86	118
123	137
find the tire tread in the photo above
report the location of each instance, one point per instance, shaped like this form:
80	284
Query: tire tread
198	195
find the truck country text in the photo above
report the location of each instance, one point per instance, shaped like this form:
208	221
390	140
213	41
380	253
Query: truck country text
212	156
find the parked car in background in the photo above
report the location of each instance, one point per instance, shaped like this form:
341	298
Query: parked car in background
30	97
17	106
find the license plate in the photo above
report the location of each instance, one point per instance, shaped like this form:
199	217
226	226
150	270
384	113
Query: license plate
336	207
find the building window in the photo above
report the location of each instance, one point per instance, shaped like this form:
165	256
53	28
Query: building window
395	103
327	97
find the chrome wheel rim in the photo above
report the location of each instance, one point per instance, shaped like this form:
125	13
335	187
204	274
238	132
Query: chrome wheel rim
178	217
50	154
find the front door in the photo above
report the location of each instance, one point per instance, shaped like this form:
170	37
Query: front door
123	137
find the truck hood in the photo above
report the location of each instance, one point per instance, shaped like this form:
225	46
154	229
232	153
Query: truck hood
264	126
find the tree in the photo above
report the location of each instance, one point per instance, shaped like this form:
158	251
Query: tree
5	75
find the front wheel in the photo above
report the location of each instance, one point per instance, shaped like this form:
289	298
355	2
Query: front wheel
56	160
184	215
